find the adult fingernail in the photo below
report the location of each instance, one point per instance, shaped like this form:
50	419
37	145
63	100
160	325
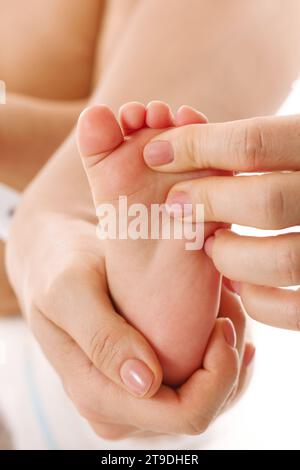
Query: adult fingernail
179	204
249	354
208	246
229	333
236	287
158	153
136	376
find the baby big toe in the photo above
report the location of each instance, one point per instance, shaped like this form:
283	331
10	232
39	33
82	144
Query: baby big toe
98	134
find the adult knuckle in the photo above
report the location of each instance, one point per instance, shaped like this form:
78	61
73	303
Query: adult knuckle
227	375
195	428
242	320
105	347
196	423
204	195
292	313
250	148
273	205
191	145
288	264
231	374
239	317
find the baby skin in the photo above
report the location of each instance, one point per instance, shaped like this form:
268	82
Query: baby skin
170	294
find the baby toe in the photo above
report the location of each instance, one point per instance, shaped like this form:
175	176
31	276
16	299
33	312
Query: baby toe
159	115
132	117
188	115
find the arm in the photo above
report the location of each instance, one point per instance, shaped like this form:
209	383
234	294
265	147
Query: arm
31	129
152	62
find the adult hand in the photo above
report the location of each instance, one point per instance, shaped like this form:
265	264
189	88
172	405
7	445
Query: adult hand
269	201
58	275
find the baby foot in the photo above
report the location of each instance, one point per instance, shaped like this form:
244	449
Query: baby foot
168	293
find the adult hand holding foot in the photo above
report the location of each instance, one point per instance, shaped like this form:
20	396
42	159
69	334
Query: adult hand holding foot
98	355
257	266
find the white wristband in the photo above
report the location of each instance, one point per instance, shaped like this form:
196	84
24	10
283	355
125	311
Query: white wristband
9	199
